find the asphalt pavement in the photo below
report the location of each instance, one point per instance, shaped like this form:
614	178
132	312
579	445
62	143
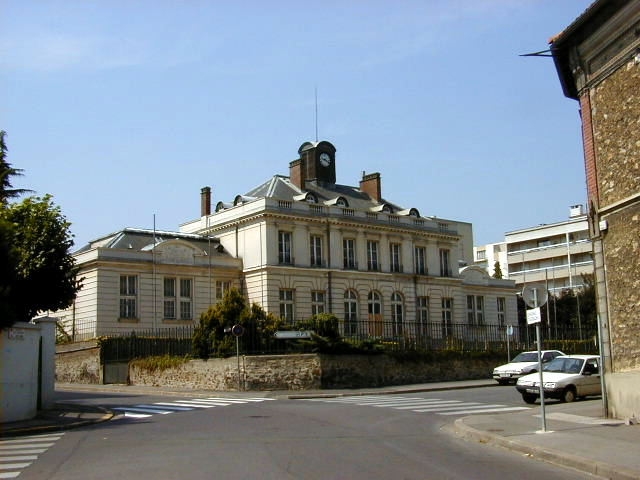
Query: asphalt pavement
574	435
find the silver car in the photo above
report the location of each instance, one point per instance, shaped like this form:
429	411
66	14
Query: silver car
522	364
565	378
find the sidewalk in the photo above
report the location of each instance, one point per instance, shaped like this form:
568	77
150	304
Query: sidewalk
575	436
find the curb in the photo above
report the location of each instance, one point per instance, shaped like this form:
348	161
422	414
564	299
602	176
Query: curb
600	469
106	415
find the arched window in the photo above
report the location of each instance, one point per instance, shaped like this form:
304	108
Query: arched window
374	304
397	313
350	312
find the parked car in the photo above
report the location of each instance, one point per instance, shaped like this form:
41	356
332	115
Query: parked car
522	364
565	378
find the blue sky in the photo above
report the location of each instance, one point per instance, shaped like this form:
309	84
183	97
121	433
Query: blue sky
124	110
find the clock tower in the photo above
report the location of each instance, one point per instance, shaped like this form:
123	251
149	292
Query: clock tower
317	162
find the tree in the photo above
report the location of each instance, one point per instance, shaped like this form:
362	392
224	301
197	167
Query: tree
45	272
6	172
497	271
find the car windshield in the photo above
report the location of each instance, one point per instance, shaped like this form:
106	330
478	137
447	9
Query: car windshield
564	365
526	357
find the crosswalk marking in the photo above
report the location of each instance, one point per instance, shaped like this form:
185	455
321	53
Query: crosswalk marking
422	405
182	405
18	453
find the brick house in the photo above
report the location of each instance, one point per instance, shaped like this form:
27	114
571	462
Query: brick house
597	58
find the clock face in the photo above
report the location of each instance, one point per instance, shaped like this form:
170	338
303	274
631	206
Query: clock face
325	159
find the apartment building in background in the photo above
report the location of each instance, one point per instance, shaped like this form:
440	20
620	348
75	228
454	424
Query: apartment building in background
555	254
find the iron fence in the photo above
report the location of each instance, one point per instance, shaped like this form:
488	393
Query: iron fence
391	336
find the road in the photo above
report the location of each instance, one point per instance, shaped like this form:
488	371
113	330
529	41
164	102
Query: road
252	437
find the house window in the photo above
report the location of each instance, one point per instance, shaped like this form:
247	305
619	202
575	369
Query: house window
447	317
420	254
375	314
501	307
349	253
445	268
170	298
481	255
475	310
397	314
372	255
222	287
284	247
422	315
350	312
185	299
316	250
394	254
286	305
317	302
177	292
128	296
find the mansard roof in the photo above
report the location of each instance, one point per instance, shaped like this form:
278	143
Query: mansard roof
144	239
280	187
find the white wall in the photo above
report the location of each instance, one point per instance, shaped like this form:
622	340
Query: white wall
19	354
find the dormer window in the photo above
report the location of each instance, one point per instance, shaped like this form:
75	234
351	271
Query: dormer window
338	202
387	209
311	198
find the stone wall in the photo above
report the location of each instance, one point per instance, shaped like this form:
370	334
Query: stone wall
310	371
78	363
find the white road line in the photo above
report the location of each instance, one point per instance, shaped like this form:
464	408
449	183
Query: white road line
30	438
484	410
14	466
27	451
143	409
9	474
175	407
17	458
25	445
135	415
443	403
459	406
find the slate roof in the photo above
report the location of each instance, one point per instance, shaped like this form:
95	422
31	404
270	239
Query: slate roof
143	239
280	187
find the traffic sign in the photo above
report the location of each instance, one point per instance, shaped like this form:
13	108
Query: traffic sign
533	316
284	334
237	330
535	295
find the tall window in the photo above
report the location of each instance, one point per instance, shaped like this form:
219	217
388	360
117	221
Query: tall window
394	255
317	302
177	292
128	296
284	247
222	287
420	254
375	314
350	312
397	314
170	298
372	255
315	244
445	267
422	315
349	253
185	299
475	310
447	317
501	307
286	305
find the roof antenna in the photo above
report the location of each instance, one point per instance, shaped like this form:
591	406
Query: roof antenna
316	114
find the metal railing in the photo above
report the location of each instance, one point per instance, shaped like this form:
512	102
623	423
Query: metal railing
389	335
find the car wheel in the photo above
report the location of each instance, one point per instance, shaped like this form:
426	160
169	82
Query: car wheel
529	398
569	395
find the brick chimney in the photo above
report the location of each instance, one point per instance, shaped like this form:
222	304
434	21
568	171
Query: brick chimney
296	173
370	184
205	201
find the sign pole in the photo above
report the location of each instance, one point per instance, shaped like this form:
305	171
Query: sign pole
539	340
530	296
